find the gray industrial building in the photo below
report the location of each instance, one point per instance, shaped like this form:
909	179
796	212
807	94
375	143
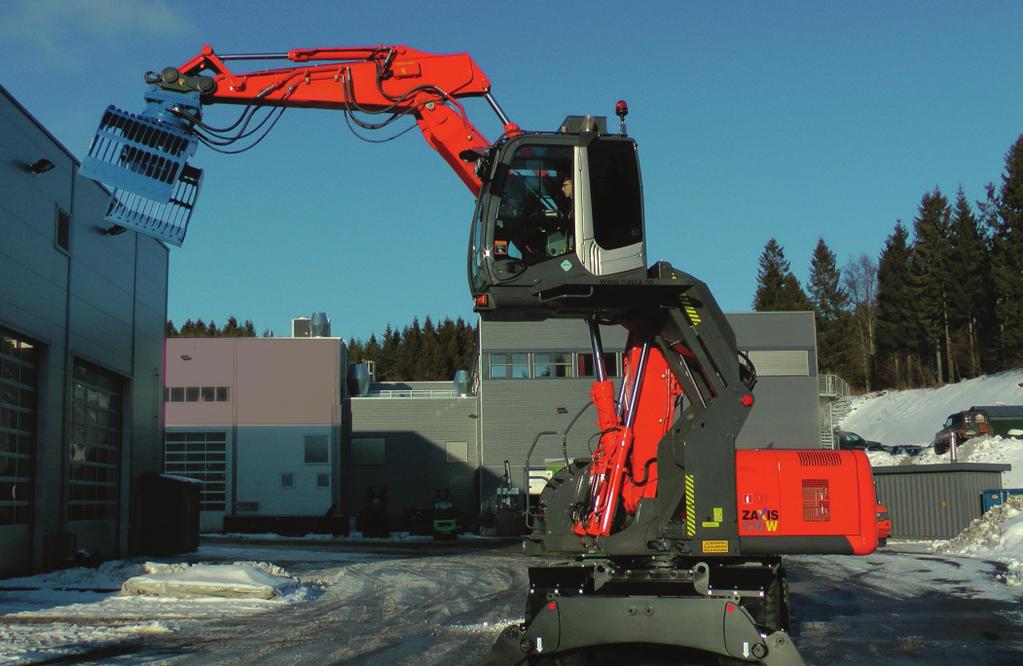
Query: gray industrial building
533	379
82	315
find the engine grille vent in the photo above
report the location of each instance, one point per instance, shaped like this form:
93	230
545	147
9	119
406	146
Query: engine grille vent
816	500
820	459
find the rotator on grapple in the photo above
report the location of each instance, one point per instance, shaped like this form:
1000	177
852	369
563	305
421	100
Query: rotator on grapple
667	536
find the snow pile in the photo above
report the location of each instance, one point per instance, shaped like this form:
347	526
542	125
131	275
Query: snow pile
913	416
998	534
250	580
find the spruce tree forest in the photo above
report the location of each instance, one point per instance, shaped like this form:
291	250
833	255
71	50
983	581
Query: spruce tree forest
942	302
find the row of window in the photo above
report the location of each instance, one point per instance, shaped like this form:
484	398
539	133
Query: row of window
196	393
373	451
543	365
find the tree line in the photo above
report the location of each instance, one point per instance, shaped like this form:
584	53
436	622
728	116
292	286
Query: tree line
941	304
419	352
200	329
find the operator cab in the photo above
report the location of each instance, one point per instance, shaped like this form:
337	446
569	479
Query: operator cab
558	214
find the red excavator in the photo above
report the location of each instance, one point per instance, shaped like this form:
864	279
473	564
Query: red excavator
667	539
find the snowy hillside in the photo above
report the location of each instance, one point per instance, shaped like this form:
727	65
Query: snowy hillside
912	417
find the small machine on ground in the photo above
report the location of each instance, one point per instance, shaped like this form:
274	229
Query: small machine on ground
668	538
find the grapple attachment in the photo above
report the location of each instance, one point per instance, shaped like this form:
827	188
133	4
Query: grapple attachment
143	157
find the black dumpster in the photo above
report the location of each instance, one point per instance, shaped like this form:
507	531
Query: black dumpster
169	513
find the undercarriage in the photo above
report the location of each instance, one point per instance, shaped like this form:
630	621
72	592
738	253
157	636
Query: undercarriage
659	609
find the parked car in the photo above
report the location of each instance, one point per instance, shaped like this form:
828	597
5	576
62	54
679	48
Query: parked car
850	441
904	450
976	421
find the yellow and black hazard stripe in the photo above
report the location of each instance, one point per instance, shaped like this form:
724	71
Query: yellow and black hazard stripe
690	505
690	310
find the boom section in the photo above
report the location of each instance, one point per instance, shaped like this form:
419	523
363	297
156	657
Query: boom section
382	79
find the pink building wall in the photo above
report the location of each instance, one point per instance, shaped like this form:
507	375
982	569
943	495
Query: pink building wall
273	381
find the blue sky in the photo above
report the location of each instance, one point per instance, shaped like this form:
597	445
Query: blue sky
755	120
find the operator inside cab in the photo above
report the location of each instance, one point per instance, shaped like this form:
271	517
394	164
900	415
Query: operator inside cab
535	221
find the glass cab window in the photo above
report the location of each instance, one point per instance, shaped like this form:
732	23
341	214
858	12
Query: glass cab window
615	193
535	217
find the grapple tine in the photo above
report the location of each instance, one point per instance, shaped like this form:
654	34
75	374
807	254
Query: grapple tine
166	220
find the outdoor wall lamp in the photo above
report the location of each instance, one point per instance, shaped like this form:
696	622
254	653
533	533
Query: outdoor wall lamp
115	230
41	166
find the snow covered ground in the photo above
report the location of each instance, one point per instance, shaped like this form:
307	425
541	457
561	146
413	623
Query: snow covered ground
64	612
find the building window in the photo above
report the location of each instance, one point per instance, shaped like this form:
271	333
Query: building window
316	450
323	480
584	364
369	451
95	456
18	385
552	365
201	456
457	452
287	480
62	231
196	393
509	366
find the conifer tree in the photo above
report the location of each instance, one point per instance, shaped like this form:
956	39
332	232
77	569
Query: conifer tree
896	312
970	307
1007	258
428	363
830	304
777	287
231	328
931	267
170	331
387	367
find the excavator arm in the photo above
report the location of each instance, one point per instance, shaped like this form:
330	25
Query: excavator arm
144	156
394	80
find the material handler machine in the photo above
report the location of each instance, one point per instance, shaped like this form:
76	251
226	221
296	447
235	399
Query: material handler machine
667	538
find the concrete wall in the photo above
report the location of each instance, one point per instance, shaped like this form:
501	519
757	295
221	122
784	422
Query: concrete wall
103	300
415	431
263	454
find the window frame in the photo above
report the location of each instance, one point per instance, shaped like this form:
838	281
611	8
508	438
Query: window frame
510	365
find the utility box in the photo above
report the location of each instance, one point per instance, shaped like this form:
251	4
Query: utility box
991	498
169	521
935	501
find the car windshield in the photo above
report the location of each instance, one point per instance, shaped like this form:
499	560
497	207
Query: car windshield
853	437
